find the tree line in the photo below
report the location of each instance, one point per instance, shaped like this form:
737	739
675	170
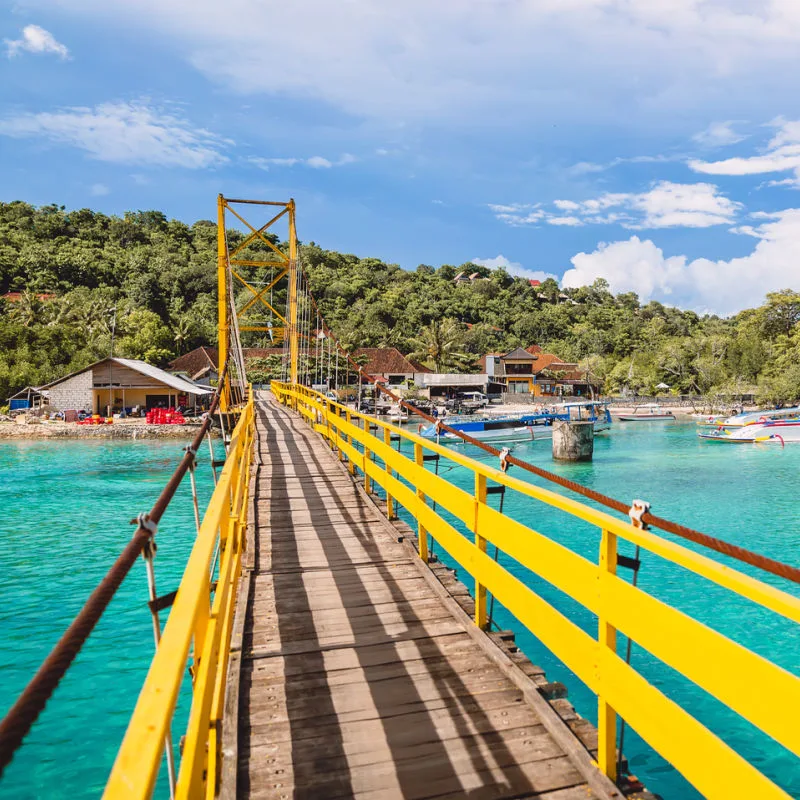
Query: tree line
150	282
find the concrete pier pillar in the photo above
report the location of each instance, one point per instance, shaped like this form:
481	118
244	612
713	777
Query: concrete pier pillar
573	441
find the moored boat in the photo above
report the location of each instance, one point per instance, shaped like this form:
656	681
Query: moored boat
770	432
521	428
752	417
648	413
595	411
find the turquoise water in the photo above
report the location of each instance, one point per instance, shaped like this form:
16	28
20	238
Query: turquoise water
67	507
742	494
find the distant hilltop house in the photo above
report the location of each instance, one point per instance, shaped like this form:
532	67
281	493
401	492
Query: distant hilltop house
466	277
532	371
121	383
15	297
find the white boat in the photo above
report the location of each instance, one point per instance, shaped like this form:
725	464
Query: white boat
752	417
649	413
770	432
595	411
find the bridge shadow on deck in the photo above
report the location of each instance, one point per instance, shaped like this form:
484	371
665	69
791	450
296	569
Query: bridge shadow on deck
385	695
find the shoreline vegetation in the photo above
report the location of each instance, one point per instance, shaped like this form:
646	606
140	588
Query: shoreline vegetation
70	279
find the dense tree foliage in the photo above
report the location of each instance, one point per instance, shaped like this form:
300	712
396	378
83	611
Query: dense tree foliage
151	282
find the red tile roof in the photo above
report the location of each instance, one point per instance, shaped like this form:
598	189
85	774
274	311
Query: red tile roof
14	297
195	361
387	361
261	352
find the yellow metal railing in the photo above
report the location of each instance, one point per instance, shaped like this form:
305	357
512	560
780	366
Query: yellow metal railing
194	620
755	688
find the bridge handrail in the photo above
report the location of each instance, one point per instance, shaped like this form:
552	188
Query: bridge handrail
193	618
744	681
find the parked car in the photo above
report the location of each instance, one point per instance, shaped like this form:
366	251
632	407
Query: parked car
473	400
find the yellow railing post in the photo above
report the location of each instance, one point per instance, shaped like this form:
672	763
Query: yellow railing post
368	432
607	638
422	534
350	466
339	435
480	542
387	440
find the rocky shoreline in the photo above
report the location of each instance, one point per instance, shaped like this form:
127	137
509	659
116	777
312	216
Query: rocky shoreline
118	430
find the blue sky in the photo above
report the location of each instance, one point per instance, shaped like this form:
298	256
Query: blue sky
655	144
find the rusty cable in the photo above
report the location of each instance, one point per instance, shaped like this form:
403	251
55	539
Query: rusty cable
16	724
720	546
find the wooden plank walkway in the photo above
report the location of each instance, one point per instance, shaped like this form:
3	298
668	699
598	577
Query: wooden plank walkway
352	676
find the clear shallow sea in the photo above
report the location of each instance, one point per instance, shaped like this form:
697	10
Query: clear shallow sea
66	511
743	494
66	508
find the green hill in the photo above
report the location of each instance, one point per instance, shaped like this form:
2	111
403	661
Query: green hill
71	269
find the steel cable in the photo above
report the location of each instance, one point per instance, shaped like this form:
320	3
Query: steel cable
718	545
31	702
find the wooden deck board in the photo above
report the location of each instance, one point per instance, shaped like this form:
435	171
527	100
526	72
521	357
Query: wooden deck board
356	680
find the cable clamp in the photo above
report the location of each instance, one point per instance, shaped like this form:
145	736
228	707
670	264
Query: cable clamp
438	428
504	454
637	510
189	449
143	521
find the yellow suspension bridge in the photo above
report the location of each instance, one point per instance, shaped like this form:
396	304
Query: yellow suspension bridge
333	655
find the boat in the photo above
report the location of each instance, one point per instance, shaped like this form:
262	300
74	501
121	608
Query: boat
512	428
648	413
595	411
769	432
752	417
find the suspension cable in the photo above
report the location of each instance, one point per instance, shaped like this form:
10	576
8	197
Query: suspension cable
765	563
29	705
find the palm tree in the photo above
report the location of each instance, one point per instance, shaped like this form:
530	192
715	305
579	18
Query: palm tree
440	346
27	309
182	331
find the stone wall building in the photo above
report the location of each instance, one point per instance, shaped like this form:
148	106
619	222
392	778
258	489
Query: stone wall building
122	383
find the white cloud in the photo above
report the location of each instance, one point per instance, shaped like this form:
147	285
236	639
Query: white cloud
315	162
566	205
723	287
421	60
512	268
567	221
665	205
35	40
99	189
719	134
585	167
318	162
125	133
782	154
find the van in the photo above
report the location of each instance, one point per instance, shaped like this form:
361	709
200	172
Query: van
473	399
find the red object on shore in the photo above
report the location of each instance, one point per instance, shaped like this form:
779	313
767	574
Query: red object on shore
164	416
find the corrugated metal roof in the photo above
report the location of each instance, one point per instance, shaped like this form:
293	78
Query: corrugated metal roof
160	375
453	379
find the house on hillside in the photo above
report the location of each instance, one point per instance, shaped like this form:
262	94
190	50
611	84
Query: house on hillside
532	371
200	364
117	383
390	364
